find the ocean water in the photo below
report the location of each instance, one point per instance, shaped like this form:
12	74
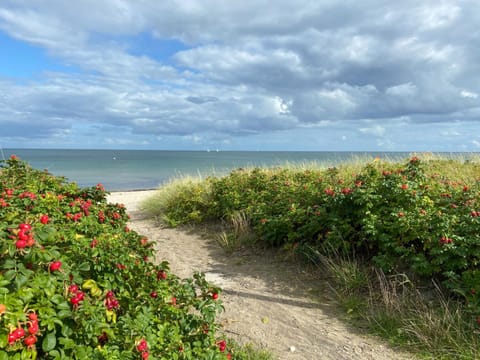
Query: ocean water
148	169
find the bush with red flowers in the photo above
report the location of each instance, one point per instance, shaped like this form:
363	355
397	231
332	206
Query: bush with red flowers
76	283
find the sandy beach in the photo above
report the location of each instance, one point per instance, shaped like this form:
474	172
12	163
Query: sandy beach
267	302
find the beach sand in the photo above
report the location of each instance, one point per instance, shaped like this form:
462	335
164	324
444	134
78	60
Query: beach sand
268	302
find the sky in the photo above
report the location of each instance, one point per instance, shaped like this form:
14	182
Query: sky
303	75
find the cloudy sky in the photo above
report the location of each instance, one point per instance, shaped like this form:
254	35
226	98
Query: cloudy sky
241	75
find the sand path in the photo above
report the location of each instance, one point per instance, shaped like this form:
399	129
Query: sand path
267	302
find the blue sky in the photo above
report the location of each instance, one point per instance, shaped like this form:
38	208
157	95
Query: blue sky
252	75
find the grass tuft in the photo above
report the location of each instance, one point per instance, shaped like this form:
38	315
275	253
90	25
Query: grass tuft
428	323
252	352
182	200
238	233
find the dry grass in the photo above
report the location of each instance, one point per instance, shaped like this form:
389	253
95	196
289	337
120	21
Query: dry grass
426	322
237	233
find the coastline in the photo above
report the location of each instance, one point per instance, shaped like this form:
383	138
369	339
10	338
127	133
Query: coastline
130	198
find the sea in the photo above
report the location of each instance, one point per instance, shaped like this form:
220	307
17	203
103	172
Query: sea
123	170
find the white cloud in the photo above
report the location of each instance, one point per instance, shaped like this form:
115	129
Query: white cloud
243	72
468	94
443	14
376	130
407	89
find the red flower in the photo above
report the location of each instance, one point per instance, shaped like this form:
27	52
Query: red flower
330	192
444	240
25	226
222	345
55	266
142	345
161	275
20	244
30	341
44	219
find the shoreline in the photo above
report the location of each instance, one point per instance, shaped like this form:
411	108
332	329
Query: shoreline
131	190
130	199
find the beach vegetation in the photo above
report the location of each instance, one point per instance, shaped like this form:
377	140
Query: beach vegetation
186	199
388	228
77	283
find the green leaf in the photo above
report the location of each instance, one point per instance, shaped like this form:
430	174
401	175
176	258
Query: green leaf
57	299
10	274
63	306
67	343
84	267
55	354
3	355
21	280
49	342
45	233
9	264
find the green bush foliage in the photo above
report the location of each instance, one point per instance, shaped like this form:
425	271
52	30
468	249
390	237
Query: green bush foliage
76	283
407	216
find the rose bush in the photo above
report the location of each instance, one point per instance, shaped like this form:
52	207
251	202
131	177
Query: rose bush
76	283
408	216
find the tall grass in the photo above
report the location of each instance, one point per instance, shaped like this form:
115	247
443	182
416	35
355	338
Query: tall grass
187	198
424	321
236	232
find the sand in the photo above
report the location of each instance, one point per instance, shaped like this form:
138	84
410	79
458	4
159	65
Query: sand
268	302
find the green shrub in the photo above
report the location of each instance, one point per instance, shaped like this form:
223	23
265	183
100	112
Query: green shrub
407	216
76	283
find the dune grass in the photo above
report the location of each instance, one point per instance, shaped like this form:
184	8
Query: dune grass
419	317
172	199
